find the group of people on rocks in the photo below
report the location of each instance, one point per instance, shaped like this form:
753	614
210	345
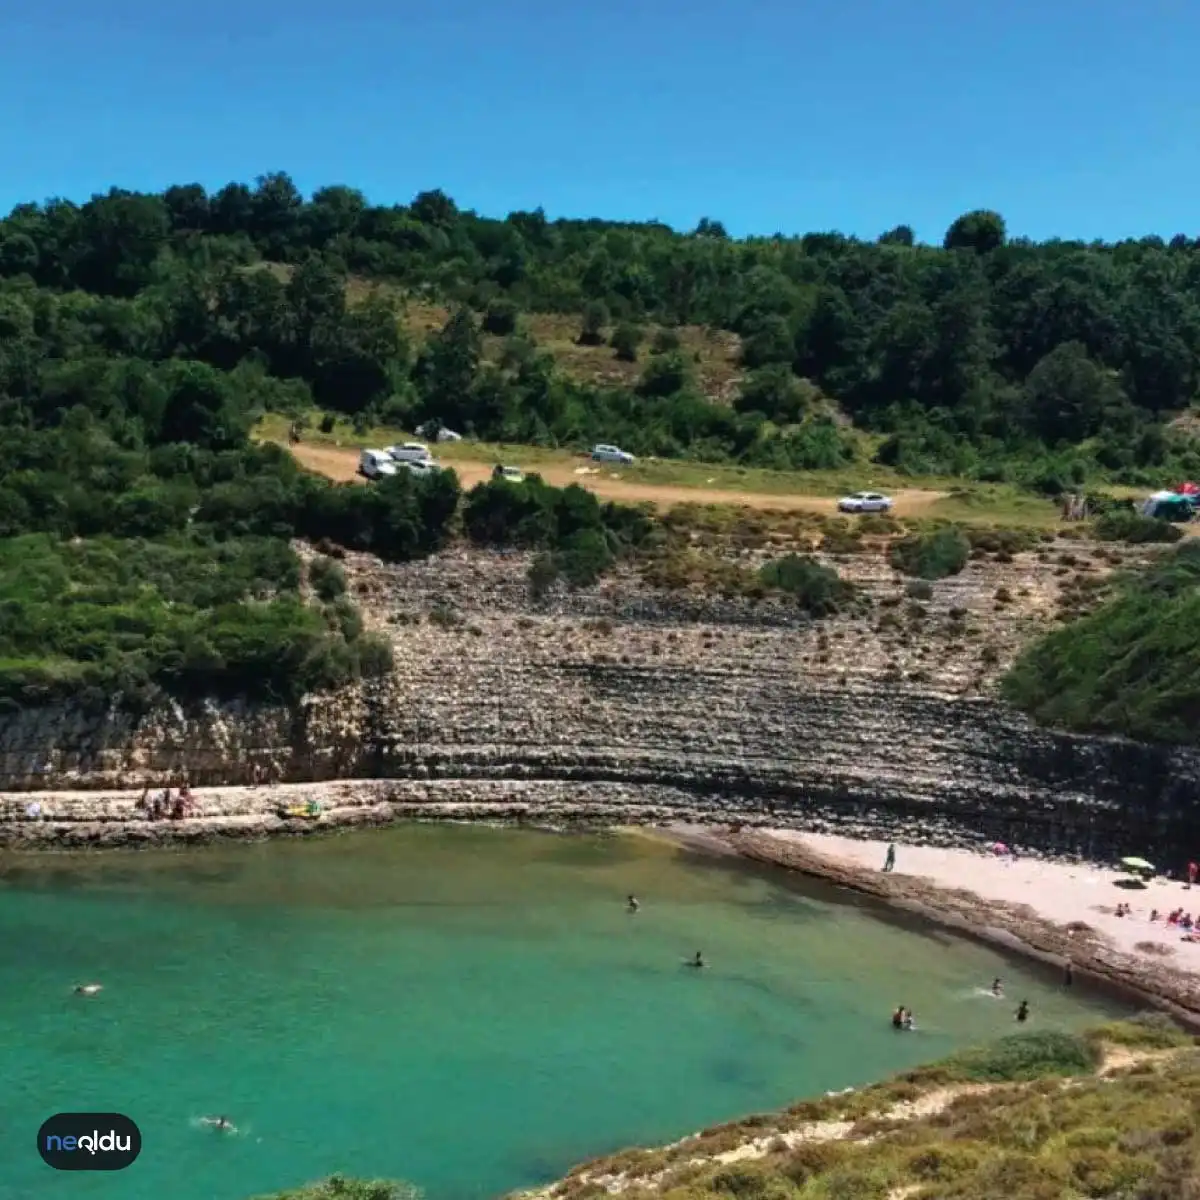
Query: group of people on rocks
167	806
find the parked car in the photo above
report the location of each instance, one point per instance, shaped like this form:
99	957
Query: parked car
512	474
375	464
863	502
603	453
438	432
416	466
410	452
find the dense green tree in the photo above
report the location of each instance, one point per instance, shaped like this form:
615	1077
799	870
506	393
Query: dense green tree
982	231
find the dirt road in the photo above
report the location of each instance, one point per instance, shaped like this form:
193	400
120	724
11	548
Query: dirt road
341	464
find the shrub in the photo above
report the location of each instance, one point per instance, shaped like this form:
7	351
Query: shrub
327	578
665	341
841	539
1025	1056
919	589
500	318
935	555
1133	528
1129	666
818	589
338	1187
626	339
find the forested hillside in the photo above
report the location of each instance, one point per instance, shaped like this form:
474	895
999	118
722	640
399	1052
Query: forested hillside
985	357
143	535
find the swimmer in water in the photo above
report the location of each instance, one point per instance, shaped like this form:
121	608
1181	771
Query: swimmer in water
222	1124
898	1018
698	961
1022	1013
908	1019
633	904
997	988
86	989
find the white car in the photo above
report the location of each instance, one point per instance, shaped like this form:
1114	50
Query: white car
603	453
512	474
410	452
375	464
438	432
863	502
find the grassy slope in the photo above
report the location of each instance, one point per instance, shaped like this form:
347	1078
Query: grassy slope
714	352
1034	1117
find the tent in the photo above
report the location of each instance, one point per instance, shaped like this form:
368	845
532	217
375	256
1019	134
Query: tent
1169	506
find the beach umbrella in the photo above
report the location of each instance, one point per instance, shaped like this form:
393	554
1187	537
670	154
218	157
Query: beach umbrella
1138	865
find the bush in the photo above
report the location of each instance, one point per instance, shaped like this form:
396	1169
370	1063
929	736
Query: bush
1129	667
327	578
818	590
841	539
338	1187
665	341
582	536
1024	1056
136	619
500	318
935	555
919	589
626	339
1132	527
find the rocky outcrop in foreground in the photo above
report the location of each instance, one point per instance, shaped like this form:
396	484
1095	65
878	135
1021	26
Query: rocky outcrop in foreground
626	703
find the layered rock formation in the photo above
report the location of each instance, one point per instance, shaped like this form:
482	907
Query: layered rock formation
626	699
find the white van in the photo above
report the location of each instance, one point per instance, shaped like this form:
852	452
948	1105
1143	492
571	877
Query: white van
375	464
410	452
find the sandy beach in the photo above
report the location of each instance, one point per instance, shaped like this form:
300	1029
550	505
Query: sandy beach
1053	911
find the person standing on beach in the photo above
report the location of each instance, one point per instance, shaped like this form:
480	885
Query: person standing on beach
1192	872
889	863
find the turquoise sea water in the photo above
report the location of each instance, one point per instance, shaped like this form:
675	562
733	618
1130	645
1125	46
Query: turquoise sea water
469	1009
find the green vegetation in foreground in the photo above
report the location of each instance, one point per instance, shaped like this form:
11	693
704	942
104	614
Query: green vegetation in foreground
1028	1117
1131	667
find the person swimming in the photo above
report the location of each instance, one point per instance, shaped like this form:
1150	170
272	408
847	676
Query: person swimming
898	1018
908	1019
698	961
86	989
1022	1013
632	904
997	988
221	1124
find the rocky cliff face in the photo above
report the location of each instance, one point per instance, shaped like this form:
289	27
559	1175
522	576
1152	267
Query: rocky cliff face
883	716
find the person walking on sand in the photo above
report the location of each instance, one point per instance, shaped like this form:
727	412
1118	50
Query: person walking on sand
889	863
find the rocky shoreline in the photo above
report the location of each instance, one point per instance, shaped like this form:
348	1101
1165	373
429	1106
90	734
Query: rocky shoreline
48	821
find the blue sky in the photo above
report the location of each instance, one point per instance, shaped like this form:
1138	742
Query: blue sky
1074	118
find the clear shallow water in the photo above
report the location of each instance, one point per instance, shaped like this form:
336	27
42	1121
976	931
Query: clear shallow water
469	1009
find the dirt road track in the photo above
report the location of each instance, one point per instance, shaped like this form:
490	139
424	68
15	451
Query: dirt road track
342	464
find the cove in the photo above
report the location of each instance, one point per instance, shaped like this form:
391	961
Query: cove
467	1008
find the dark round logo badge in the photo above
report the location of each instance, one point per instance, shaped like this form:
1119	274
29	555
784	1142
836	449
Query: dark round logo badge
89	1142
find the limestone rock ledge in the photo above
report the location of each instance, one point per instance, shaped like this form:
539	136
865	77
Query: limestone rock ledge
620	702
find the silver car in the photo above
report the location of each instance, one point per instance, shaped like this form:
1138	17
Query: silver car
606	453
864	502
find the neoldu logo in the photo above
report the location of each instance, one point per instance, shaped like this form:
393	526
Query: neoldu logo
89	1142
